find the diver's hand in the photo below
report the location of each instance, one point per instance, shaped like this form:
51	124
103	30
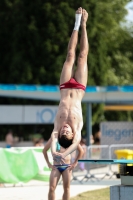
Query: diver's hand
59	158
50	165
72	166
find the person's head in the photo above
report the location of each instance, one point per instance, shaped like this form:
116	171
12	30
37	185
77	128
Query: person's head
97	137
66	135
37	143
96	133
10	132
83	141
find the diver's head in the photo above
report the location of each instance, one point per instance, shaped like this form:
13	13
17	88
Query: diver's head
66	135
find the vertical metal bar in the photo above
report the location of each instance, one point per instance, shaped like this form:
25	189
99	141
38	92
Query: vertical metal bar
88	122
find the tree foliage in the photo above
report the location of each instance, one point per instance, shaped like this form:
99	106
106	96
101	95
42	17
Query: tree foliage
34	36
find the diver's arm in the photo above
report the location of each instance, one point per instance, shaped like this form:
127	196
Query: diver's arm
54	139
80	153
45	150
76	141
79	156
73	147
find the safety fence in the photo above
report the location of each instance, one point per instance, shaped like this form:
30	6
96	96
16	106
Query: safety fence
96	171
20	165
23	164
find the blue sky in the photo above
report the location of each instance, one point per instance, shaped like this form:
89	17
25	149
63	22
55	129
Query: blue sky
129	7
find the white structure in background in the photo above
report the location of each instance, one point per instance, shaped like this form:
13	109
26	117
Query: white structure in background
129	7
116	133
27	114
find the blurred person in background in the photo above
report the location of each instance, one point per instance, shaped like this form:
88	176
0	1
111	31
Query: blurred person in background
84	147
39	143
97	137
96	133
9	139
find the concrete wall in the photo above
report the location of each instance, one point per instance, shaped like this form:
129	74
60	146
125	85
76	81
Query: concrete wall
121	192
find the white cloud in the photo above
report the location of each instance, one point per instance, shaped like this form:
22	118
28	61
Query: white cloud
129	8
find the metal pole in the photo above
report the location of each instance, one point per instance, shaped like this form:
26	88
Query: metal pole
88	122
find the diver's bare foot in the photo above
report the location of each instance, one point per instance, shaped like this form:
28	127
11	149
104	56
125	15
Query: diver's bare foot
79	11
84	17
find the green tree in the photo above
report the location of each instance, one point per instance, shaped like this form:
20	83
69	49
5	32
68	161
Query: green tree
34	36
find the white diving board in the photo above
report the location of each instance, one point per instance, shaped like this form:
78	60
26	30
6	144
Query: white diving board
108	161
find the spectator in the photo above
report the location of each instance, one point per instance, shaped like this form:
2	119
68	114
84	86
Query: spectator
96	134
97	137
42	142
83	145
9	139
97	140
39	143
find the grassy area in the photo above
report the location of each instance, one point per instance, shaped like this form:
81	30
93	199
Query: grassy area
94	195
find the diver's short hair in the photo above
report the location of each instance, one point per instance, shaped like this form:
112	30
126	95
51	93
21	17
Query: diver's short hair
64	141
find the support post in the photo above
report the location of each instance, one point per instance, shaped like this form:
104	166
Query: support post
88	122
121	192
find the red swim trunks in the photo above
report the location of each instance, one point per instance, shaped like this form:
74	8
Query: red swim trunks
72	83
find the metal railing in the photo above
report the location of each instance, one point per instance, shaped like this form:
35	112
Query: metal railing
114	147
95	171
104	170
